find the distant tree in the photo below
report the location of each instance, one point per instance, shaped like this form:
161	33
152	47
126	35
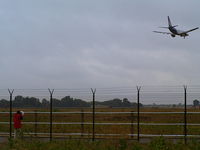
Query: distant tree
195	103
45	103
174	105
4	103
21	101
31	102
118	103
56	102
80	103
113	103
180	104
126	103
67	101
18	101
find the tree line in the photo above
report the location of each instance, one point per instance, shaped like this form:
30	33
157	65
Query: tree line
67	101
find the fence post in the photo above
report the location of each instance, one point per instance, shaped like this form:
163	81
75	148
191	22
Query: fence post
93	114
185	113
132	124
82	122
138	112
51	106
11	94
35	122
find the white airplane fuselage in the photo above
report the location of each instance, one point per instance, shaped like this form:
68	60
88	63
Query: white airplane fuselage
177	32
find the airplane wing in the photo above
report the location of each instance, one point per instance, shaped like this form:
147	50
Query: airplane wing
191	30
163	32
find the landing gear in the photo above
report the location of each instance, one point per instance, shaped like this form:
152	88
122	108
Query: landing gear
173	35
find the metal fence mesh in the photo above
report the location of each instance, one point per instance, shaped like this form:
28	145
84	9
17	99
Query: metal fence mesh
163	112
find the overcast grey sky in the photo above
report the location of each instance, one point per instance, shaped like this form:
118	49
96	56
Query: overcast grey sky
97	43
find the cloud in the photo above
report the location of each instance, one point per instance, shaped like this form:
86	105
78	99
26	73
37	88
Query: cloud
96	44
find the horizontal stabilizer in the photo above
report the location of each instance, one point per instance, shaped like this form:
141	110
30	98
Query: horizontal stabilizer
174	26
164	27
163	32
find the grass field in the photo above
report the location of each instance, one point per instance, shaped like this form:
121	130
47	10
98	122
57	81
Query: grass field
108	118
158	143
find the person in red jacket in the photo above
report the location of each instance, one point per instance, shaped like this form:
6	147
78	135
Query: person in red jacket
17	123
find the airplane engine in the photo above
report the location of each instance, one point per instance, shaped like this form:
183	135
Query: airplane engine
173	35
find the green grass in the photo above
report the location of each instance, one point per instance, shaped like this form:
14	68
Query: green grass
156	144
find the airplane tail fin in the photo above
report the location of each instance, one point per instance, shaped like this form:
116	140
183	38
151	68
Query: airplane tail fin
169	22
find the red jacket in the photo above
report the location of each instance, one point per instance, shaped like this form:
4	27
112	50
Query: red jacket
17	120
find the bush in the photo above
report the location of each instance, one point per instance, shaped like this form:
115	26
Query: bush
159	144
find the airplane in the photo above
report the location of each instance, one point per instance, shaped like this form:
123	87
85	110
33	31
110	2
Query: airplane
173	31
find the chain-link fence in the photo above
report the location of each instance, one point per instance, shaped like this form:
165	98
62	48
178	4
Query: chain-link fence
117	112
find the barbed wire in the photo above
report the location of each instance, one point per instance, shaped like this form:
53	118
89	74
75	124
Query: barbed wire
149	93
